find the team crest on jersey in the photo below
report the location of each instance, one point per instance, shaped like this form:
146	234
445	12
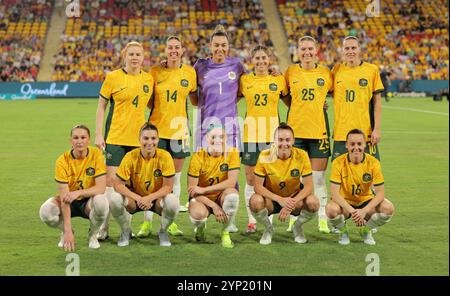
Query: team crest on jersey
367	178
224	167
90	171
363	82
231	75
145	88
273	87
295	173
184	83
320	82
157	173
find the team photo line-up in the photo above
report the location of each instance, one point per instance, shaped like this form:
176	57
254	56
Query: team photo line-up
137	163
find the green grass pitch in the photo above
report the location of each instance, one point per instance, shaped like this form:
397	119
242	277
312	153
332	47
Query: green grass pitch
414	152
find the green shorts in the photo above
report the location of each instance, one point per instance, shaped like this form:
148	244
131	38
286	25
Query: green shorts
250	154
176	148
339	148
78	208
316	148
115	154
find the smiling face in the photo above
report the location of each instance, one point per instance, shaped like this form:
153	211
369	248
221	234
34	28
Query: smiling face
351	51
355	145
216	140
307	51
134	57
261	61
174	50
80	140
149	141
284	140
219	48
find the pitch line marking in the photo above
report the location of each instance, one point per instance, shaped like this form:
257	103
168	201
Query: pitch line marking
416	110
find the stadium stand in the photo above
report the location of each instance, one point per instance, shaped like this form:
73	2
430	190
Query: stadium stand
91	44
23	28
409	38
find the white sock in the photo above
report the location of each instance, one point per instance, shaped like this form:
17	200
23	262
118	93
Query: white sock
108	192
50	214
198	223
177	185
304	216
170	206
249	191
262	217
148	216
338	222
377	220
117	205
320	190
99	212
230	206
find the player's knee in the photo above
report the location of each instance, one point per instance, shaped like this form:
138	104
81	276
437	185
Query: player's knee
50	213
332	210
171	203
312	203
116	203
256	203
100	206
197	211
387	208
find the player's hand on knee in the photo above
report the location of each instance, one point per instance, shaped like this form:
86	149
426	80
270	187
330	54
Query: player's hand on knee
219	214
70	196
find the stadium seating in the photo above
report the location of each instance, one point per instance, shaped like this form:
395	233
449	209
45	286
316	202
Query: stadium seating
408	38
23	28
91	44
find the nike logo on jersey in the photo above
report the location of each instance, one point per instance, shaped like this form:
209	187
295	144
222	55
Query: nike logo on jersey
159	82
119	90
249	87
338	81
295	82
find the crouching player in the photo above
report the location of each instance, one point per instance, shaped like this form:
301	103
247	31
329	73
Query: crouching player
284	185
212	178
144	182
352	175
80	173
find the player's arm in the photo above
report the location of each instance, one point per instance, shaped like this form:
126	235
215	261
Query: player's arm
165	189
151	101
307	189
98	188
69	239
192	184
119	186
193	97
376	133
99	118
379	197
230	182
287	100
258	183
337	198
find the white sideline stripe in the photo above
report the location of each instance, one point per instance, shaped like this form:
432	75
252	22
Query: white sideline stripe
416	110
416	132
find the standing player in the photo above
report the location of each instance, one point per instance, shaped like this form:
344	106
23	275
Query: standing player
278	186
218	81
357	99
173	84
308	85
144	182
352	175
262	93
80	174
212	178
128	90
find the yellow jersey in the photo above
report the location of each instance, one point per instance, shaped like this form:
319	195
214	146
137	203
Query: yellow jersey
262	94
355	179
282	177
128	95
80	174
213	170
308	89
353	90
144	176
171	90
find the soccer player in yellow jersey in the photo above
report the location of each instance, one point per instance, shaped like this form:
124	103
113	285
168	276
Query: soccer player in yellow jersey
352	175
173	84
144	181
284	185
212	179
128	91
80	174
356	98
262	93
309	84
